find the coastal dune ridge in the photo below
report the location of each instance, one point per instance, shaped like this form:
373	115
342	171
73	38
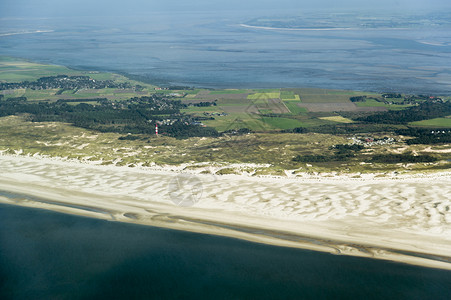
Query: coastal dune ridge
405	219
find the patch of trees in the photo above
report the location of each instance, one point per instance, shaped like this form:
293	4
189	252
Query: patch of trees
182	130
357	98
64	82
203	104
429	140
392	95
17	99
419	97
179	88
343	152
199	118
240	131
100	100
346	148
344	128
402	158
424	111
297	130
426	136
321	158
129	137
313	158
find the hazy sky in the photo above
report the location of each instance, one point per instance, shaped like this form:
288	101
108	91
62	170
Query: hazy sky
52	8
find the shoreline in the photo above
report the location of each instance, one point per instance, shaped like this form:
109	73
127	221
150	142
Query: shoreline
318	29
404	219
25	32
297	29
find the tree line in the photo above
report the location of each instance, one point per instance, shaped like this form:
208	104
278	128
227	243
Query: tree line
426	136
424	111
136	115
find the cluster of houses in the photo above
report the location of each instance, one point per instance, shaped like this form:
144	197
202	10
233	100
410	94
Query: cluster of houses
168	122
369	141
64	82
152	102
410	99
175	94
404	102
198	123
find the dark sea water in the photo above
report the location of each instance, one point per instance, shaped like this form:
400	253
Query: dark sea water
213	50
47	255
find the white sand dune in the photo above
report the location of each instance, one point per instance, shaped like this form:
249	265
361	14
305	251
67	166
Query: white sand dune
406	219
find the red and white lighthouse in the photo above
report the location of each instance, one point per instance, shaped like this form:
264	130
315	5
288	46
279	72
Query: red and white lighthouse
156	129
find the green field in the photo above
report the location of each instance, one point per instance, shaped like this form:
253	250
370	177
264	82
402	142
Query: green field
191	92
282	123
40	94
294	108
437	122
16	70
225	92
201	109
264	96
312	98
289	96
238	121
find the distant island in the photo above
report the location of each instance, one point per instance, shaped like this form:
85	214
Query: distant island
343	21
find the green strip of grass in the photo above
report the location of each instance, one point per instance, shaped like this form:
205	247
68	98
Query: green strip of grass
264	96
289	96
225	92
282	123
437	122
294	108
374	103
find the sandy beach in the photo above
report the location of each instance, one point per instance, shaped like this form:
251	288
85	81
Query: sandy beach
405	219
